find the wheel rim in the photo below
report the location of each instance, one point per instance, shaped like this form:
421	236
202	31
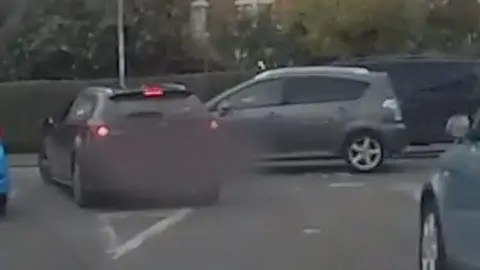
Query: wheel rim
365	153
429	242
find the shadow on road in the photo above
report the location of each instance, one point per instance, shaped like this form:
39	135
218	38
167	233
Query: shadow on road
300	167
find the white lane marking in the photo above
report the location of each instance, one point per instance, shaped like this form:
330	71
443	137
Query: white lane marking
346	184
311	231
156	229
108	232
343	174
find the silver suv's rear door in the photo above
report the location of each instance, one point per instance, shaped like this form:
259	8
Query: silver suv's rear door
319	108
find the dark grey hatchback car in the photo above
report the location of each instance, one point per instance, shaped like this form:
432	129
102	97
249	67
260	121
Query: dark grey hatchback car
316	112
156	142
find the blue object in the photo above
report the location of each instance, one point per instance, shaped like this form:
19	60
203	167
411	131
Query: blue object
5	182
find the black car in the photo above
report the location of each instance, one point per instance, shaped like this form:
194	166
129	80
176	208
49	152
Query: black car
150	141
430	90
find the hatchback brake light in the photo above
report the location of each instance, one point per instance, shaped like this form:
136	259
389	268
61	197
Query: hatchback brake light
100	131
214	124
152	91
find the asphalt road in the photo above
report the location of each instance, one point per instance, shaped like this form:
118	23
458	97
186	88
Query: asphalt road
287	219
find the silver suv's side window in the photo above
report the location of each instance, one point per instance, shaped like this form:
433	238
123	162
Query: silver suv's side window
260	94
314	89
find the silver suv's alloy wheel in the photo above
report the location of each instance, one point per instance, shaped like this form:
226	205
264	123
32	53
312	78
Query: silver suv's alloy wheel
365	153
429	248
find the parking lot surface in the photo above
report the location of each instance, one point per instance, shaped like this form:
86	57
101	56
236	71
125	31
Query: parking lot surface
293	217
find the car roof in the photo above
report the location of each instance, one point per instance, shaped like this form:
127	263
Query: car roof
314	70
395	58
110	91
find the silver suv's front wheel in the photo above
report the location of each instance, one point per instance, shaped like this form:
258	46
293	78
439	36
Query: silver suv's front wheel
364	152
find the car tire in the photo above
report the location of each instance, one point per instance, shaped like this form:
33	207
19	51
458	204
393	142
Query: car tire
80	196
431	247
3	205
44	168
364	152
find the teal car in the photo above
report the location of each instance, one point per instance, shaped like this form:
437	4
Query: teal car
449	237
5	184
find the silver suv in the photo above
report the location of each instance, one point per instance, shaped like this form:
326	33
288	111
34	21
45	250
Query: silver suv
317	112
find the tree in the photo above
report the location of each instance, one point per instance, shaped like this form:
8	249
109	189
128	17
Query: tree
453	26
254	37
357	27
77	39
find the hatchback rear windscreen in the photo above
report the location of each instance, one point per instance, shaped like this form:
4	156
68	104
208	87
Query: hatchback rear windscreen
168	103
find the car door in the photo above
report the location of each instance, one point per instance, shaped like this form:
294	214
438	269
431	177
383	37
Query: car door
461	218
317	110
67	131
254	114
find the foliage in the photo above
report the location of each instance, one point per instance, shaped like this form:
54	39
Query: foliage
71	39
255	37
77	39
362	27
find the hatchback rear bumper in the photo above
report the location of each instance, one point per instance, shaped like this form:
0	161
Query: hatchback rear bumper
394	138
142	176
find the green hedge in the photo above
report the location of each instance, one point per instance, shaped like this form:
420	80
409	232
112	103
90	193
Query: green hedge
23	105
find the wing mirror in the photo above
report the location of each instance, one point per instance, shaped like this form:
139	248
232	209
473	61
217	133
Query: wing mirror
224	108
458	126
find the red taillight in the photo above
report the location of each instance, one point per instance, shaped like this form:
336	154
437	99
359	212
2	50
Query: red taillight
214	124
101	131
152	91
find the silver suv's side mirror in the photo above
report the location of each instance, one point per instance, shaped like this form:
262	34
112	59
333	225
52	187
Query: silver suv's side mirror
458	126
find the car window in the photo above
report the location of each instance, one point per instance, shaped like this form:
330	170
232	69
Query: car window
322	89
260	94
460	87
424	79
81	109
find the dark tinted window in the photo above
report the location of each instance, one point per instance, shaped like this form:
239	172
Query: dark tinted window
461	87
323	89
427	78
168	104
260	94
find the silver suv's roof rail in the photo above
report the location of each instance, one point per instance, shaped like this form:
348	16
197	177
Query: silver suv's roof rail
334	69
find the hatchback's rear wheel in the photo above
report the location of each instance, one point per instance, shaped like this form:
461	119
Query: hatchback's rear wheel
44	168
80	196
364	152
